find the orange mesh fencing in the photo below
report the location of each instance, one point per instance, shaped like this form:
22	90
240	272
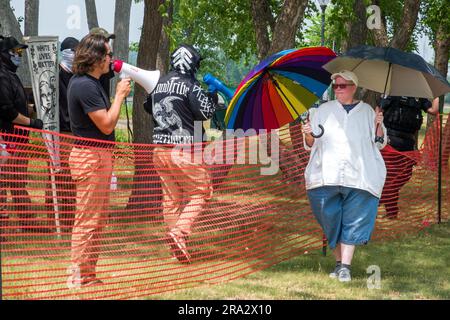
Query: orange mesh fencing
249	222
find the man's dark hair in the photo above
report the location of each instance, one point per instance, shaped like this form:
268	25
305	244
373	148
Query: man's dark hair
90	51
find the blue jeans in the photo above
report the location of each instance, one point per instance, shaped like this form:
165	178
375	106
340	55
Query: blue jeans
346	215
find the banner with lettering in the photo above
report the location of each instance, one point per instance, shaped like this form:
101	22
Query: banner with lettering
43	63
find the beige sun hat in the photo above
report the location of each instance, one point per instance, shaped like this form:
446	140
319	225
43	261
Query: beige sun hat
347	75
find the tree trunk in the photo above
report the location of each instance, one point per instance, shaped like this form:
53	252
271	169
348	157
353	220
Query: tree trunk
284	31
31	17
406	28
287	25
91	13
400	40
356	28
162	60
442	50
150	198
121	46
9	26
148	51
380	37
260	13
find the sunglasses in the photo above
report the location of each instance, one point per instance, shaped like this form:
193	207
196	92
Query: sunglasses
342	86
110	54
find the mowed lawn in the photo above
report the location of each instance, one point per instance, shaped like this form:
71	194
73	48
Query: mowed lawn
412	267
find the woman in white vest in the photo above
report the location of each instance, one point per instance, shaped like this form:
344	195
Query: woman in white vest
346	172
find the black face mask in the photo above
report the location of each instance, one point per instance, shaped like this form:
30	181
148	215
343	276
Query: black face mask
6	61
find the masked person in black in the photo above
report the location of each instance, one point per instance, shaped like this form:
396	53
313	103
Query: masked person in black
14	110
67	49
403	119
179	105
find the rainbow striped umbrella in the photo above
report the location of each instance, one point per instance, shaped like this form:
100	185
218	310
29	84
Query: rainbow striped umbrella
279	89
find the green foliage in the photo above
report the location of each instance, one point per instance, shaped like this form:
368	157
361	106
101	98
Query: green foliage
222	31
134	46
435	13
340	12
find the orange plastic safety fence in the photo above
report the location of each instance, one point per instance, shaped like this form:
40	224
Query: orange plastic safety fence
93	209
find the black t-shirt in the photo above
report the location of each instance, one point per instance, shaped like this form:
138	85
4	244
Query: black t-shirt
85	94
105	80
64	120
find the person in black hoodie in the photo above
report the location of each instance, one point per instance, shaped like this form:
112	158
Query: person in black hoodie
177	104
67	49
14	110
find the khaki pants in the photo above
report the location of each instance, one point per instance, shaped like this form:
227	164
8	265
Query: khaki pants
186	187
91	170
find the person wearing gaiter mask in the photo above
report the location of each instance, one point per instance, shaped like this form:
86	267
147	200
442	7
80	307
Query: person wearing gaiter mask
14	110
68	47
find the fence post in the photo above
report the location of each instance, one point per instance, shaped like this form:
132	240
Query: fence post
441	115
1	283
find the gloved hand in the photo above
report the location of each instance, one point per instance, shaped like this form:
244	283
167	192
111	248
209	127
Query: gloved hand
214	97
36	124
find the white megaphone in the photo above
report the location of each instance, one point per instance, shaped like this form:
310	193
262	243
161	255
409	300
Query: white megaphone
146	79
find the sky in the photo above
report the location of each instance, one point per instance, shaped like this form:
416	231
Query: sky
58	18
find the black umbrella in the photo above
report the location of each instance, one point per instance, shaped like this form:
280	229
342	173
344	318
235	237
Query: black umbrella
391	72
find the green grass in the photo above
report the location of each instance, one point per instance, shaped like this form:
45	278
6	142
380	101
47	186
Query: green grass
414	267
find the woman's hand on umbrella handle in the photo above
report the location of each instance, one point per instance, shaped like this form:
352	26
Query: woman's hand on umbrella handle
306	128
378	116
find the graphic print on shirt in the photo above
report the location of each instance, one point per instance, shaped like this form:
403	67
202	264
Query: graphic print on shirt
207	107
167	118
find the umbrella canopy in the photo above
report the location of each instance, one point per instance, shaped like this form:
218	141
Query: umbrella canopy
391	72
279	89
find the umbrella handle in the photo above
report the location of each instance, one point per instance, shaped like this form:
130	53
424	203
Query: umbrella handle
320	134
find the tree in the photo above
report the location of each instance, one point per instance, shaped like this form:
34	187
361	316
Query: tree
148	51
142	121
9	26
162	61
31	17
122	29
402	31
121	46
436	24
91	12
276	34
355	27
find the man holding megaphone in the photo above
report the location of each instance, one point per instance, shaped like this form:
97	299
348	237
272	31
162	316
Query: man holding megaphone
91	116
